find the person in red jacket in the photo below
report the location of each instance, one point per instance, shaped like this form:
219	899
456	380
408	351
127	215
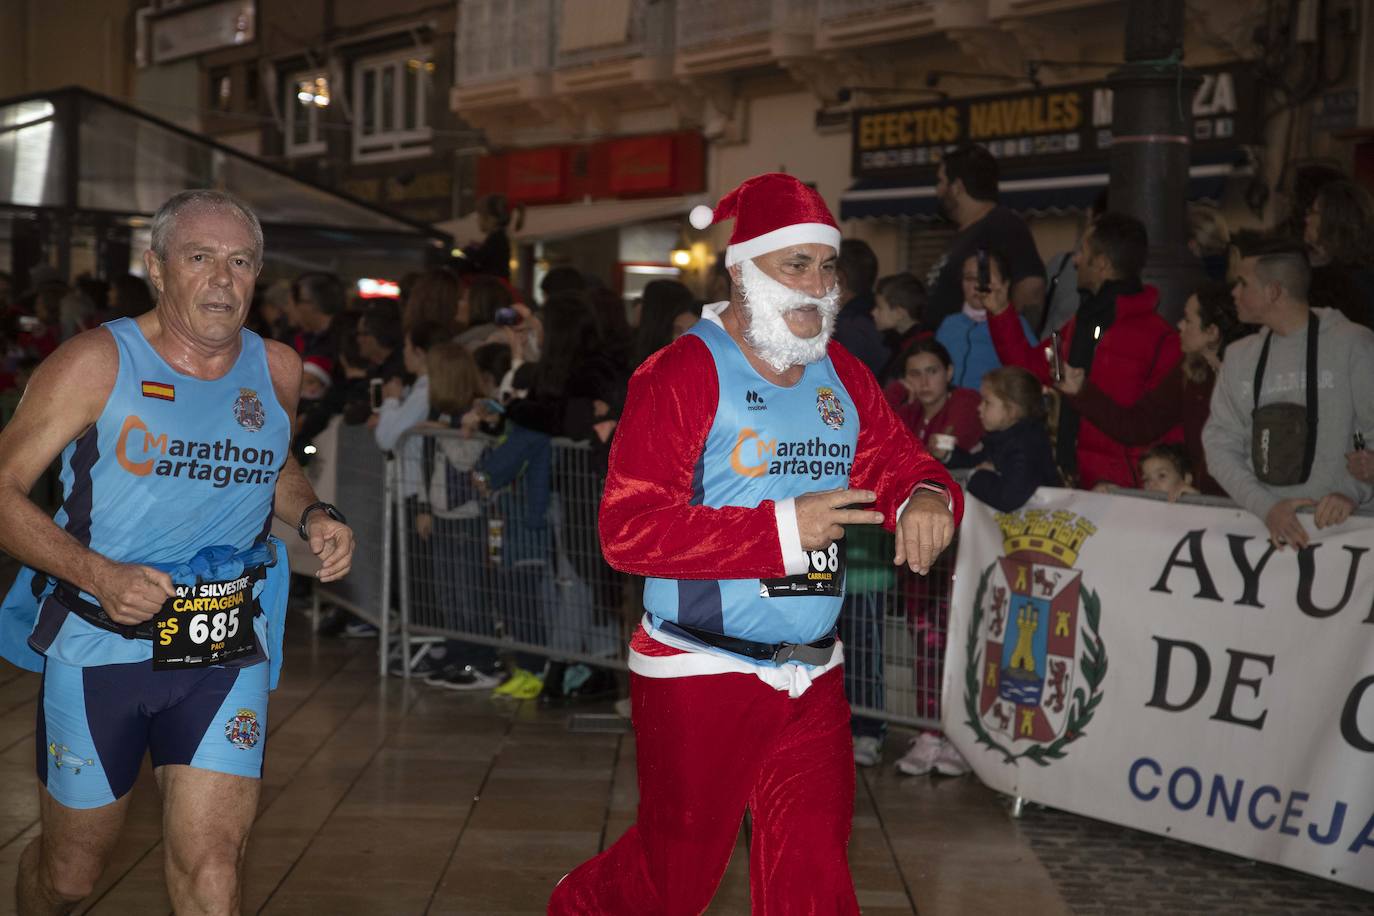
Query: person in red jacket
744	448
1184	398
1116	337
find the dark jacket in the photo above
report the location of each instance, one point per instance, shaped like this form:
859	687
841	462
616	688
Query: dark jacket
1023	459
856	332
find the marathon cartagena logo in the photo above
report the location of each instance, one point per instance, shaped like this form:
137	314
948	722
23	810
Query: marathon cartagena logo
1035	660
757	456
147	452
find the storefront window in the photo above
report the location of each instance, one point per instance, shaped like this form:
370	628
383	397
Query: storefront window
307	96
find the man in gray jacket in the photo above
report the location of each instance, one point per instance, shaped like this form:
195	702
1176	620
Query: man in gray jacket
1245	431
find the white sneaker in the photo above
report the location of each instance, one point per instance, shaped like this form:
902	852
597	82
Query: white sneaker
868	750
920	757
949	762
465	678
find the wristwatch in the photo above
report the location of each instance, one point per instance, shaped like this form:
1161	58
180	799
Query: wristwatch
328	510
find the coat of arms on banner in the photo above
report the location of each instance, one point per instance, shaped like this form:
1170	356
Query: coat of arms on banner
1035	660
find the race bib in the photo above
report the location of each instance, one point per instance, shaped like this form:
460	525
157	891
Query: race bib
205	624
824	576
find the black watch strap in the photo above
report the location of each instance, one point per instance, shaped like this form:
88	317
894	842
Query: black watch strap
930	483
328	510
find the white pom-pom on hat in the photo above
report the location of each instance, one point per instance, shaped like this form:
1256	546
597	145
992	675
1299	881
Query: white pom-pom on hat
771	211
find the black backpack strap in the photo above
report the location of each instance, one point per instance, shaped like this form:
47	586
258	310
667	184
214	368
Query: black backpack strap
1310	453
1259	368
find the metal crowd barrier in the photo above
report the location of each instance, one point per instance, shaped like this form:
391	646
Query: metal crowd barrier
518	568
512	570
361	489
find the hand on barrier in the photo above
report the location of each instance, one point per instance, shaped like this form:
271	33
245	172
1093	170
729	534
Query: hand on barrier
332	542
1333	509
132	594
1181	488
1284	526
424	525
924	530
821	516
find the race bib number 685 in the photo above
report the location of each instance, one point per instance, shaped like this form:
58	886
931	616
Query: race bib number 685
205	624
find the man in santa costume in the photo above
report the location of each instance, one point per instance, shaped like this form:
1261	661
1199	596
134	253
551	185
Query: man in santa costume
744	449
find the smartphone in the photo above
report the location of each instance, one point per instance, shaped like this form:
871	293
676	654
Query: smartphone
507	317
984	276
492	405
374	394
1056	361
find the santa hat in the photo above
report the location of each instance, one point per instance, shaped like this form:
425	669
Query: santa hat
319	367
770	211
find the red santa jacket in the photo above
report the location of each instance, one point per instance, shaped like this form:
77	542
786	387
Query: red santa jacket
648	524
1133	356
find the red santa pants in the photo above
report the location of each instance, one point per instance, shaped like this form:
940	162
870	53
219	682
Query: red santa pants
708	747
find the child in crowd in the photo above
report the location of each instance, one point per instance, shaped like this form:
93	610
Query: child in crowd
1015	456
1012	460
935	412
316	377
1166	469
899	313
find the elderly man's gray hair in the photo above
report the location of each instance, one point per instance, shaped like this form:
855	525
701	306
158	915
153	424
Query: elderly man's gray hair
164	221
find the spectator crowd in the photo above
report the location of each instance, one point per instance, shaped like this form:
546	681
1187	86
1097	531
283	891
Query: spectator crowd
1026	372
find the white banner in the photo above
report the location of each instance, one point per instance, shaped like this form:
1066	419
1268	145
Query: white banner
1160	666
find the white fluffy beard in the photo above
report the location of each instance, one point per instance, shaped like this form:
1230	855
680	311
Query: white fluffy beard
766	301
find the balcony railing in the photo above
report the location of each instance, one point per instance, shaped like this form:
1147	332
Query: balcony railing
647	32
712	22
503	39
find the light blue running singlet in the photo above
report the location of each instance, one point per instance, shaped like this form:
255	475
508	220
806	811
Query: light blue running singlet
173	465
766	442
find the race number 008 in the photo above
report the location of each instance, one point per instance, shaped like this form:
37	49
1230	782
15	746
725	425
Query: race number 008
219	627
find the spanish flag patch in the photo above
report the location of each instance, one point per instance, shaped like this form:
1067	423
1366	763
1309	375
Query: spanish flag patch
159	390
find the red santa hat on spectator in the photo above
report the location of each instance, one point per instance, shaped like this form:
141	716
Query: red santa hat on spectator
320	368
770	211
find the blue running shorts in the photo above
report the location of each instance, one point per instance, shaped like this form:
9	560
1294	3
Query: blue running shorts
95	723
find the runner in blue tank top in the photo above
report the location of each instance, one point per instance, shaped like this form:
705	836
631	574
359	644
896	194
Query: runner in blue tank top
157	603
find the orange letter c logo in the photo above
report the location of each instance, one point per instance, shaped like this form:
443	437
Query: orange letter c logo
761	448
139	468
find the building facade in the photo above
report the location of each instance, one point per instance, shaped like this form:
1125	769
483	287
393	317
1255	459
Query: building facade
608	119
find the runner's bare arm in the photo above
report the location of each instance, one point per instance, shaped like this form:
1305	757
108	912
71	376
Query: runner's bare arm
330	540
63	399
